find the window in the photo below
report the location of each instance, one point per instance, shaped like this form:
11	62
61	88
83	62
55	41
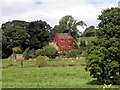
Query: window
69	41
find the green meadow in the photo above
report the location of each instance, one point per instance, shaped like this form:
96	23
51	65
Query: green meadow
63	73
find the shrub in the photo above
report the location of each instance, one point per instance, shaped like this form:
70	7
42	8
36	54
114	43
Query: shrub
41	61
17	50
83	48
50	51
63	54
71	54
28	53
82	43
83	51
21	63
39	52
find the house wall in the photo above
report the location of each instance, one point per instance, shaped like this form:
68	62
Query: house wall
63	44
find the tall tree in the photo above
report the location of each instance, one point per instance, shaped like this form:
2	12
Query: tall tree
103	60
89	32
40	34
14	34
68	24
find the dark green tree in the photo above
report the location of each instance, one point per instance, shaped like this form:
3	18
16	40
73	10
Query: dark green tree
89	32
14	35
24	34
40	34
103	60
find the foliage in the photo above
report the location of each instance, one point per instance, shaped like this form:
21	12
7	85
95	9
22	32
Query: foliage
24	34
89	32
103	60
50	51
21	62
82	43
75	44
86	39
68	24
41	61
82	48
106	87
71	53
14	35
39	52
40	34
28	53
17	50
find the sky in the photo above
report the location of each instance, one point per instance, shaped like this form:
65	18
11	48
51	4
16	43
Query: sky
52	11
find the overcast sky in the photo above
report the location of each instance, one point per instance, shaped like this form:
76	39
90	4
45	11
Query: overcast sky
52	11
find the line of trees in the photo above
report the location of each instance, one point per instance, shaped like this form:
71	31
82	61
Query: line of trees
35	34
24	34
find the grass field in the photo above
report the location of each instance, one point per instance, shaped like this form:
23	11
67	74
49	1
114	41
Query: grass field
65	73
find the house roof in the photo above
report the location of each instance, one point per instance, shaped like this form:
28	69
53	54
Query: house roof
64	35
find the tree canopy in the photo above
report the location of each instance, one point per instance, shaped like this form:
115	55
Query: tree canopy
68	24
24	34
40	34
89	32
14	34
103	60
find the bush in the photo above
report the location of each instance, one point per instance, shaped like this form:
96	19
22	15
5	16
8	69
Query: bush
28	53
83	51
17	50
41	61
39	52
50	51
82	43
71	54
63	54
83	48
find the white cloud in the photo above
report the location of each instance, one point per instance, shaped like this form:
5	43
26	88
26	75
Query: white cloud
52	10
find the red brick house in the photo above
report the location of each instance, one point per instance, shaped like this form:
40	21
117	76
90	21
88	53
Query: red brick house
63	41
